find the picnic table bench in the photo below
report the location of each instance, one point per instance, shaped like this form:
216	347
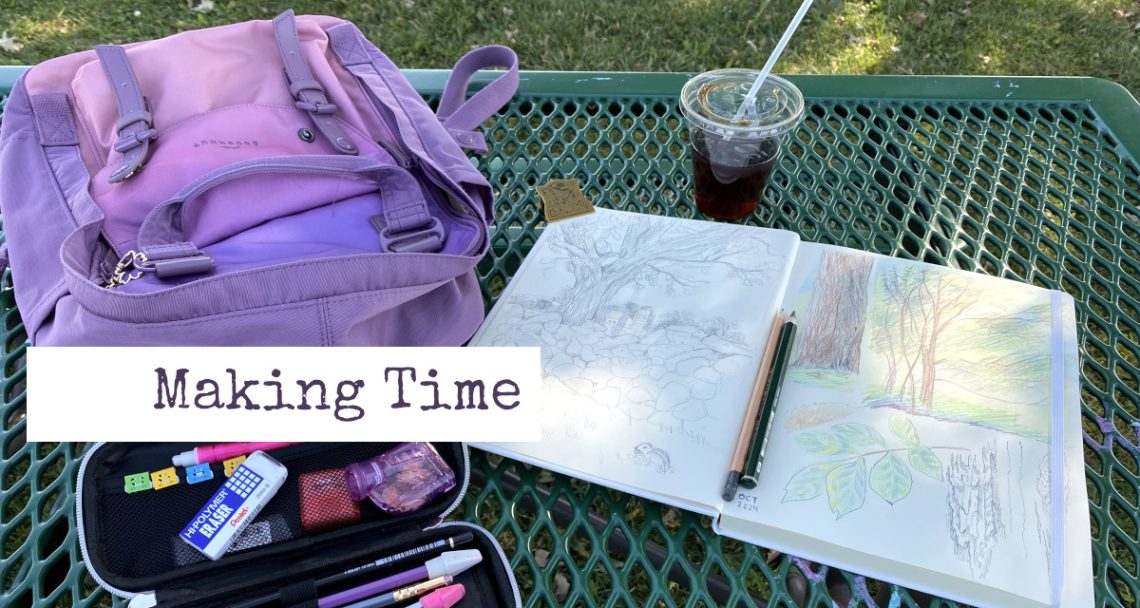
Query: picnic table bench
1032	179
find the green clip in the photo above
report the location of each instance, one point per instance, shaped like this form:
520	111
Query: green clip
137	483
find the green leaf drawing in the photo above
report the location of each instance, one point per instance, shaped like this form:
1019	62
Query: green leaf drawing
890	478
847	487
902	428
824	443
926	462
808	482
845	479
858	435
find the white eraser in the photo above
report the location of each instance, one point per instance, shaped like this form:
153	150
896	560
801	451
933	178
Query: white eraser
235	505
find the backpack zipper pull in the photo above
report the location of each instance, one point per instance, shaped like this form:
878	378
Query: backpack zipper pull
130	267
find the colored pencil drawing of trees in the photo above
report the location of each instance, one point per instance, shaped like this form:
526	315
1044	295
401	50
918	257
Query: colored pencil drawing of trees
953	350
846	478
920	304
831	337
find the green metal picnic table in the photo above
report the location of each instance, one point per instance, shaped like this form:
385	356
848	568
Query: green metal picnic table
1033	179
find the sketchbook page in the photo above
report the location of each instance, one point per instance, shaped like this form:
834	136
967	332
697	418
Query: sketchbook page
912	436
651	331
1078	590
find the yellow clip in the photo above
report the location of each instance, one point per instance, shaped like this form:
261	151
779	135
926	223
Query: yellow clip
232	464
164	478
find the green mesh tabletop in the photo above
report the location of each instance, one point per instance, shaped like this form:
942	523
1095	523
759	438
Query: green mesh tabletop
1032	179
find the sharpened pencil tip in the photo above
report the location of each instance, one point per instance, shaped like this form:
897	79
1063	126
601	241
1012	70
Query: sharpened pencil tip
792	318
731	485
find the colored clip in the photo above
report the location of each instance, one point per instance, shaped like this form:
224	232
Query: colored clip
136	483
199	473
232	464
165	478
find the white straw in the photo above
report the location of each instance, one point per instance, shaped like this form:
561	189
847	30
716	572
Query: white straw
751	97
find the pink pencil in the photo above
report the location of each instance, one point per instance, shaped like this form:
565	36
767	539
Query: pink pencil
223	451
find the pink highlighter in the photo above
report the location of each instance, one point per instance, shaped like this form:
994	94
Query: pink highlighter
223	451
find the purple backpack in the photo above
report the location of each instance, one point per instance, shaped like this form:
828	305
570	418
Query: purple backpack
263	183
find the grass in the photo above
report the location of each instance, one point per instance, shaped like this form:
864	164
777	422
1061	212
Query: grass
979	412
1027	37
821	378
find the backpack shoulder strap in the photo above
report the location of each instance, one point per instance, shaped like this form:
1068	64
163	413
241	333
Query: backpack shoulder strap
460	117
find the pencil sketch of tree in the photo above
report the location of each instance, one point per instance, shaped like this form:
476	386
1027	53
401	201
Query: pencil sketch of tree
627	254
1041	507
616	344
973	508
932	329
832	330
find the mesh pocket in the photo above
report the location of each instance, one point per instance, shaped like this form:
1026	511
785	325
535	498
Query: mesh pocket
325	502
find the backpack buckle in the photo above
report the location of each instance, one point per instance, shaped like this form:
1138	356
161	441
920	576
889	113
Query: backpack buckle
127	142
426	239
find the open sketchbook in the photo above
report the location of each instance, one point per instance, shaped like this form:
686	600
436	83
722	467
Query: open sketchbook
914	437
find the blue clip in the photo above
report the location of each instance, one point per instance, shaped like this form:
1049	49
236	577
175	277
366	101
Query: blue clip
199	473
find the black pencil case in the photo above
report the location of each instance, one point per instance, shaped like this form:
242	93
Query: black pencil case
131	546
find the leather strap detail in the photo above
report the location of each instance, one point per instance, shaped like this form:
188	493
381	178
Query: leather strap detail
308	94
135	126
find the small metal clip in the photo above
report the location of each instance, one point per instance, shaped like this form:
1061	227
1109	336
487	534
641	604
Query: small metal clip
130	267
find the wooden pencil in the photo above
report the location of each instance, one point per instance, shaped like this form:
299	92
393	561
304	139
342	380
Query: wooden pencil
755	458
751	414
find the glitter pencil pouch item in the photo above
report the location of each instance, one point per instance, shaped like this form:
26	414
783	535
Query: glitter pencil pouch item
401	480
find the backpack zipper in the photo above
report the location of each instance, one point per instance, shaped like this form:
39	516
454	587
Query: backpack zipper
429	186
408	159
397	154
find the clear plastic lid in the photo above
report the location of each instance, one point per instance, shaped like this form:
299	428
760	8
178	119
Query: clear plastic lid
710	101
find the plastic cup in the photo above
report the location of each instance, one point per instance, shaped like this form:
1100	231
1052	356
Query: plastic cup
732	159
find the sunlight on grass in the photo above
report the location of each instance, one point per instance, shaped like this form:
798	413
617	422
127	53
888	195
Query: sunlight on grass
853	41
1070	37
26	30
